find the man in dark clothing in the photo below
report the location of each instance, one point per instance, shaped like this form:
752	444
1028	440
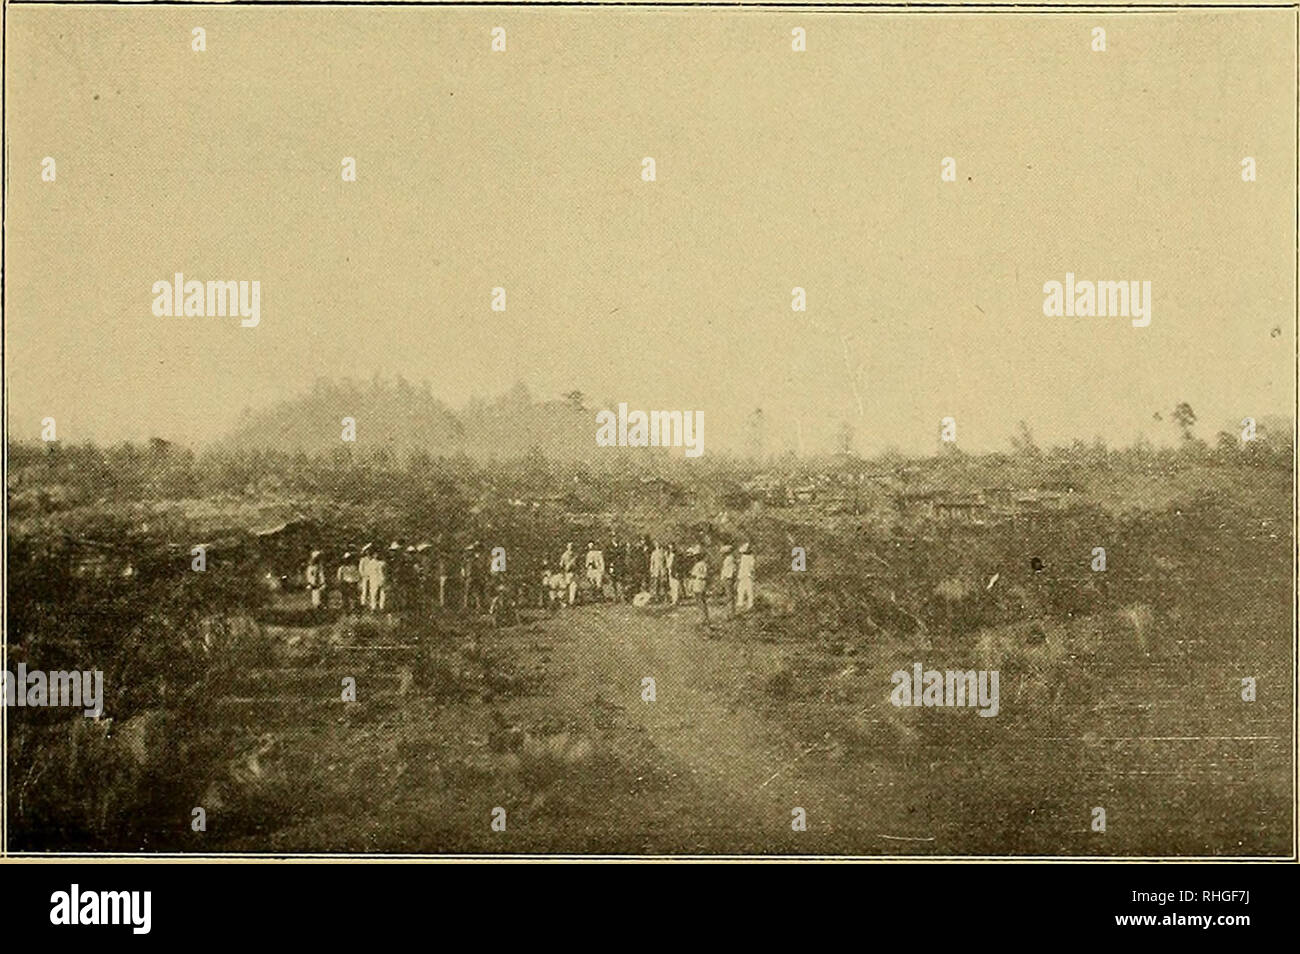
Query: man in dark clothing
615	568
469	581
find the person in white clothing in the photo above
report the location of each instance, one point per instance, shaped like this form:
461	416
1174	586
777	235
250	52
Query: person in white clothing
745	579
364	571
595	570
727	575
316	579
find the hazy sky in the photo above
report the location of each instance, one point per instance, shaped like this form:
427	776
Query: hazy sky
775	169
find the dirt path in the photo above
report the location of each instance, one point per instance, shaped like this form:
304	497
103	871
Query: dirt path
753	771
715	764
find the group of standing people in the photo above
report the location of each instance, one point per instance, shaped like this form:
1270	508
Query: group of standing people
374	580
735	577
649	572
415	577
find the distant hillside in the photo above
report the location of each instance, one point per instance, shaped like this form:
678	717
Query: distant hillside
405	418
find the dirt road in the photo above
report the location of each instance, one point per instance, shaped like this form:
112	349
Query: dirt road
738	734
746	772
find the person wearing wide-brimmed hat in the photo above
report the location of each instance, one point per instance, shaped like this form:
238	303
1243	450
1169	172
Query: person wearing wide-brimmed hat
406	579
348	579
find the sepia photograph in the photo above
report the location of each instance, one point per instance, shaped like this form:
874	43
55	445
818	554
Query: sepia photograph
648	432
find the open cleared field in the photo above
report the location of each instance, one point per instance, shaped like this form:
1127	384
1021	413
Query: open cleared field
1120	689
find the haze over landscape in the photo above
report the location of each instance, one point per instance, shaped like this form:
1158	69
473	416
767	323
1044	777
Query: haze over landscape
774	171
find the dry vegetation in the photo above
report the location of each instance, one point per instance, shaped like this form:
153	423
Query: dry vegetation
1118	688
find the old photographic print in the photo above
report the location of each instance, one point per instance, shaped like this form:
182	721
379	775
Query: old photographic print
651	430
